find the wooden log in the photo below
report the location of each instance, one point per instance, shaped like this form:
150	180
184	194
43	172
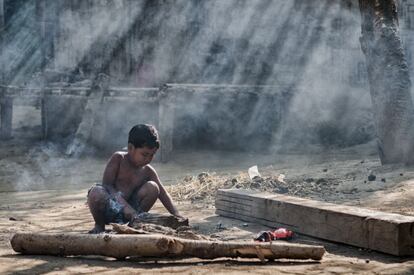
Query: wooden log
376	230
121	246
148	228
161	219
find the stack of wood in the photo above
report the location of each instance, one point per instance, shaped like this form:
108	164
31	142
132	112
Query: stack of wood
155	240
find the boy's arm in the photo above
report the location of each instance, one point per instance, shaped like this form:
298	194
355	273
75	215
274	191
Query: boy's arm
108	181
111	172
164	197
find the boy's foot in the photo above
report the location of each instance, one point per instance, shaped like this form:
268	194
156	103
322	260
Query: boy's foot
97	229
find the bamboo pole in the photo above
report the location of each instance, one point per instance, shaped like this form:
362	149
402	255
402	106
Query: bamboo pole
121	246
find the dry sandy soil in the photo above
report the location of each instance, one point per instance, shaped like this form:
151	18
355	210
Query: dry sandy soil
43	191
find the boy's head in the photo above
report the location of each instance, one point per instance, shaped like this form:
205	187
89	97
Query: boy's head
143	143
144	135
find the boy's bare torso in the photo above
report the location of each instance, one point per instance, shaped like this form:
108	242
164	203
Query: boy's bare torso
129	178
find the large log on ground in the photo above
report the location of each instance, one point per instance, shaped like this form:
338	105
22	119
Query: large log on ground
381	231
121	246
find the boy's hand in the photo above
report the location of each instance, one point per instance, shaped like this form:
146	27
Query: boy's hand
180	217
119	197
135	218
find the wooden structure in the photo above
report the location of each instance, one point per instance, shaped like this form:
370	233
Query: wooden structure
116	109
380	231
121	246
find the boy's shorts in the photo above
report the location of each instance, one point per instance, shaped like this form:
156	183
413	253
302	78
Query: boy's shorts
114	210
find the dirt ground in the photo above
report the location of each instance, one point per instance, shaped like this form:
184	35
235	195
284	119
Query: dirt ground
43	191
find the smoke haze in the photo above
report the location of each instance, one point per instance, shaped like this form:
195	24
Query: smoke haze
308	50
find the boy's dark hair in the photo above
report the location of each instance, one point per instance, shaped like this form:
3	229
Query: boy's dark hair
144	135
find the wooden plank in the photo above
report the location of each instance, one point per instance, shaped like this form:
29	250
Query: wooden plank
234	207
376	230
235	200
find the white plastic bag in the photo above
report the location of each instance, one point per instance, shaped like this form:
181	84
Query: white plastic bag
253	172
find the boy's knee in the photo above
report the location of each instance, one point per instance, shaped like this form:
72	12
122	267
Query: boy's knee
151	187
97	193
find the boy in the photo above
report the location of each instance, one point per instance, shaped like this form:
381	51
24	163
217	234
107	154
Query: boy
130	185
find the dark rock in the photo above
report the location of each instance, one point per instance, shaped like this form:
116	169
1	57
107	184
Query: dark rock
258	179
371	177
308	180
322	181
203	175
255	184
383	180
282	190
325	170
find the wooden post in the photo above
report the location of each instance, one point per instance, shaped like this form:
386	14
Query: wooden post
6	114
47	16
166	123
46	12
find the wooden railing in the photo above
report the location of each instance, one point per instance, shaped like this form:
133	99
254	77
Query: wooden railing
166	97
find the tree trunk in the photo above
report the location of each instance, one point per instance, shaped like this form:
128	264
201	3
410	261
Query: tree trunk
389	80
121	246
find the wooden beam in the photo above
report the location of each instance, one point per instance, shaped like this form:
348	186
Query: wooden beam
141	94
380	231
